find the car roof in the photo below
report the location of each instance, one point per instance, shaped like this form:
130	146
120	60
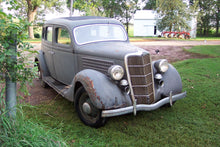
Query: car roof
72	22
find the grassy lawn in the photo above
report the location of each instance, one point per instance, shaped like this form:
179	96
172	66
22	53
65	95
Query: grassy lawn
193	121
36	40
211	50
206	38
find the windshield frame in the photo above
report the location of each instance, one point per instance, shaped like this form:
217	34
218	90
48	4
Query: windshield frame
101	40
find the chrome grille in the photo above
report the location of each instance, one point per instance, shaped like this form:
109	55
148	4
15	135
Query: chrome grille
140	74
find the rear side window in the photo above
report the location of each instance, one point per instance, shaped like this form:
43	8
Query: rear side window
49	35
62	36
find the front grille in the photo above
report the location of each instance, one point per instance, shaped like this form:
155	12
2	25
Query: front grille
140	74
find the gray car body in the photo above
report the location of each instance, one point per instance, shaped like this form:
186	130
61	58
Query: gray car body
66	68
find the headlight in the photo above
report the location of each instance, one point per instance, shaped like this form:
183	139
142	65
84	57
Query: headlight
116	72
162	65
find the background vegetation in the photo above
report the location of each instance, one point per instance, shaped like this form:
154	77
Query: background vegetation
15	67
174	14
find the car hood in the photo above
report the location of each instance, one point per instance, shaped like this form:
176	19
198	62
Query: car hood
114	50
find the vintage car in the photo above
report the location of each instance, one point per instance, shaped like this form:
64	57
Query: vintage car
89	61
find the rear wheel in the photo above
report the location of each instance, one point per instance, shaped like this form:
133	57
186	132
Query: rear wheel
87	112
42	83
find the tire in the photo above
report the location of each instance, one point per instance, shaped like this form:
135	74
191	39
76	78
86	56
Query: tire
187	37
93	117
42	83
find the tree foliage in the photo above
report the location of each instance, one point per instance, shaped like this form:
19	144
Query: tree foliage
173	15
30	9
150	5
12	31
209	16
119	9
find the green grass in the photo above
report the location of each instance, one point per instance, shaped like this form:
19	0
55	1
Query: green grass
193	121
36	40
26	132
211	50
206	38
131	31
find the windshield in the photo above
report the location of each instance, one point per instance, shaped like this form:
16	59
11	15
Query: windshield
99	32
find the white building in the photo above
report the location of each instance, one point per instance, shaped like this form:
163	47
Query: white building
145	24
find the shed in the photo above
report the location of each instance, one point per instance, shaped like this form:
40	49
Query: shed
145	23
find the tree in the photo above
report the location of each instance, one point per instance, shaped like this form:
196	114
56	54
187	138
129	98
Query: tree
12	69
217	16
119	9
209	16
129	7
150	5
29	9
174	15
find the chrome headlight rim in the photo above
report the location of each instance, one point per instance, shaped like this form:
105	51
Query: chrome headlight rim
116	72
163	65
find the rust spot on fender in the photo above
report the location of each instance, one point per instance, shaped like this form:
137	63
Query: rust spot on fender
89	87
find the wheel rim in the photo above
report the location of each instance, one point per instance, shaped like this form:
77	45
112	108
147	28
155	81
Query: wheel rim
87	109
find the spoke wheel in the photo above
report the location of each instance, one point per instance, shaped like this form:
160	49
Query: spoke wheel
87	112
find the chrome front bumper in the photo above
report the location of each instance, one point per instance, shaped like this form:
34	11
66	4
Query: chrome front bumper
143	107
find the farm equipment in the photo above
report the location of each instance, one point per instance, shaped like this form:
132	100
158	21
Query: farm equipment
180	35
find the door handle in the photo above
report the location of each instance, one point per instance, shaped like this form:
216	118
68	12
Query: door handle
51	52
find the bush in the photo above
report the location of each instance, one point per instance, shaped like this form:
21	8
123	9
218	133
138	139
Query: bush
36	35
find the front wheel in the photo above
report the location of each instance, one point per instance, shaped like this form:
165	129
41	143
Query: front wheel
87	112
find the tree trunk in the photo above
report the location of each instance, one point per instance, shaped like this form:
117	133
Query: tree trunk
32	11
217	21
127	21
170	28
31	16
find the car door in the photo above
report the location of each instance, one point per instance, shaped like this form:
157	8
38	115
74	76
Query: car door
64	58
47	47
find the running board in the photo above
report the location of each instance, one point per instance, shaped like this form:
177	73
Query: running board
56	85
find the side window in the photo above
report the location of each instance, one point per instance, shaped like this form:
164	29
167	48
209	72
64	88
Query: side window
49	34
62	36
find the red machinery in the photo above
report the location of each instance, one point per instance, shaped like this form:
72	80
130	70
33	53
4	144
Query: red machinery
180	35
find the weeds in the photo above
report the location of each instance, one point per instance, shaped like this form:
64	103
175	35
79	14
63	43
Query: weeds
25	132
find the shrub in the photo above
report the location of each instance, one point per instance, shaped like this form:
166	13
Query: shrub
36	35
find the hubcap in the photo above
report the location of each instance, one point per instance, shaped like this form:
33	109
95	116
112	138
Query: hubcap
86	108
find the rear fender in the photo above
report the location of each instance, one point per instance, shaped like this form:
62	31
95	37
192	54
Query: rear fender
43	65
103	92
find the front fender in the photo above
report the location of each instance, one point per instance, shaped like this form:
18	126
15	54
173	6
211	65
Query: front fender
171	81
103	92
